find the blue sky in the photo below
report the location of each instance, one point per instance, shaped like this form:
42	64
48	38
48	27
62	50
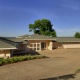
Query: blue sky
16	15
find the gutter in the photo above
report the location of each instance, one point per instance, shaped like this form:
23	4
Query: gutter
7	48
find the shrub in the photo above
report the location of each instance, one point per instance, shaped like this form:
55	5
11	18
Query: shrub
11	60
19	59
22	58
15	59
1	58
5	61
1	62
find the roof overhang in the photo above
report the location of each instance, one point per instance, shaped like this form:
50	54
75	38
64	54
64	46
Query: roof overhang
40	39
7	48
70	41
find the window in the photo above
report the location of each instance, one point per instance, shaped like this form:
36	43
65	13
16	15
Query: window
34	46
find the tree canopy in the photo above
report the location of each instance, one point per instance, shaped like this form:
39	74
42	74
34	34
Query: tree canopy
77	35
42	27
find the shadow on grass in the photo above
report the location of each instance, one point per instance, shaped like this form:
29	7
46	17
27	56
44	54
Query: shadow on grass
64	77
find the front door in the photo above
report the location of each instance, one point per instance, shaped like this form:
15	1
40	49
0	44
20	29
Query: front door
43	45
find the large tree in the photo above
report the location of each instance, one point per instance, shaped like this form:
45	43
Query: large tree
42	27
77	35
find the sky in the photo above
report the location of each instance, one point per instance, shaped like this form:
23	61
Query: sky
16	15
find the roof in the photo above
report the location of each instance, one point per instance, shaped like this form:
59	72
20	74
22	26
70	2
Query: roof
23	36
67	39
10	42
5	45
43	37
25	42
38	37
15	39
18	40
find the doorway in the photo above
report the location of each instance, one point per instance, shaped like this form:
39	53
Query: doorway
43	45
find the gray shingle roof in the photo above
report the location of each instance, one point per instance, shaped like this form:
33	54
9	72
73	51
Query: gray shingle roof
23	36
5	45
18	40
10	43
43	37
38	37
15	39
67	39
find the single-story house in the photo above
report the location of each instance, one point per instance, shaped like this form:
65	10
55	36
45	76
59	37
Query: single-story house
38	42
9	45
41	42
66	42
5	48
35	42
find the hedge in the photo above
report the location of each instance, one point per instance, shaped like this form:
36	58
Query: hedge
19	59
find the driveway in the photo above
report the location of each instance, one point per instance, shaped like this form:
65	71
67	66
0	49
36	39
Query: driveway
61	65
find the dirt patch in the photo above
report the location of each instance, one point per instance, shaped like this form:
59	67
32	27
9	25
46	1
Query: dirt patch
61	62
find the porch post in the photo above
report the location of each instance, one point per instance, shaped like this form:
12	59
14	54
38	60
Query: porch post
36	46
40	46
51	45
11	52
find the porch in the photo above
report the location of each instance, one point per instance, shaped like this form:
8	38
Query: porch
39	45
